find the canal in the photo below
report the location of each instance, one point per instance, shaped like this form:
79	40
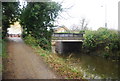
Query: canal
94	66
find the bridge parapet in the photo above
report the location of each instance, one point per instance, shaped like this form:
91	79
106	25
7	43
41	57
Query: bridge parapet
67	36
66	42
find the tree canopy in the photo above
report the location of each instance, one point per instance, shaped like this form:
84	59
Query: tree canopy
36	17
10	14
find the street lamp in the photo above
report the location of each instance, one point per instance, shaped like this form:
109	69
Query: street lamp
105	14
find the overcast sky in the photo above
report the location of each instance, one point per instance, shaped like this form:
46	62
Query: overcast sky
92	10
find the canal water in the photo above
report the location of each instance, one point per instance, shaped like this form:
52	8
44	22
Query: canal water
96	67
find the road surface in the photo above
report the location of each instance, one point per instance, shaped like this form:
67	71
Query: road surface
23	63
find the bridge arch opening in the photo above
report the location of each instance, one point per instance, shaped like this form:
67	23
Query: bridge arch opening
71	47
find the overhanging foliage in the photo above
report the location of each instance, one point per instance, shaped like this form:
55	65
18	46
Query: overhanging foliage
36	17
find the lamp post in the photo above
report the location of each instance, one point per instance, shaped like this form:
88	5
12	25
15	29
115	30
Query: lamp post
105	15
105	7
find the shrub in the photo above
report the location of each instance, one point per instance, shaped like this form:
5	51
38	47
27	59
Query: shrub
45	44
42	42
104	39
31	40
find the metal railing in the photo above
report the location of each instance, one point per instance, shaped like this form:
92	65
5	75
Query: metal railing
67	36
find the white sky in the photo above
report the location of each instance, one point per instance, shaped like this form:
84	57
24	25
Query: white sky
92	10
15	29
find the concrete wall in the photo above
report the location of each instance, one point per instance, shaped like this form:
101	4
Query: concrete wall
59	47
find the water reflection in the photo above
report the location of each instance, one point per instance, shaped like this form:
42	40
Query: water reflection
96	67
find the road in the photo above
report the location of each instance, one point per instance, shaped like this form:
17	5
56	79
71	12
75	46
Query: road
23	63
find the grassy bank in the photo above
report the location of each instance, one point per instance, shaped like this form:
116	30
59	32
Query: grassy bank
3	52
60	65
0	56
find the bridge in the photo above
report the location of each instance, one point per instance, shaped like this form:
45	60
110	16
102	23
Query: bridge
67	42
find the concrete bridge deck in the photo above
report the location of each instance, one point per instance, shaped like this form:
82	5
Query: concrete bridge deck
67	36
66	42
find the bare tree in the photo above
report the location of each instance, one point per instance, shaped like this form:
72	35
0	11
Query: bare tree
83	24
81	27
75	28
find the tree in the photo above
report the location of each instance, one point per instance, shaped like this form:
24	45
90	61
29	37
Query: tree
75	28
37	17
81	27
10	14
83	24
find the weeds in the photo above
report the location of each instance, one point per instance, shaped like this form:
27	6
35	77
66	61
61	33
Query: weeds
59	64
4	52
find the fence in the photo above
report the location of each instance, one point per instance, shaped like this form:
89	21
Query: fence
67	36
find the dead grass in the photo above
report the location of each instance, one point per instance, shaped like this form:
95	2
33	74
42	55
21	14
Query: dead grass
60	65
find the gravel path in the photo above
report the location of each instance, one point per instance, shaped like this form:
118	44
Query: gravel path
23	63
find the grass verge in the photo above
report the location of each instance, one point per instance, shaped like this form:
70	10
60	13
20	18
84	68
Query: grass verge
58	64
3	54
4	51
0	56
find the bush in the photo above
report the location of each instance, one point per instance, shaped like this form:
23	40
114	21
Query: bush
89	40
3	50
42	42
31	40
45	44
102	39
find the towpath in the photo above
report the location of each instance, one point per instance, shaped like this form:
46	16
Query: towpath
23	63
